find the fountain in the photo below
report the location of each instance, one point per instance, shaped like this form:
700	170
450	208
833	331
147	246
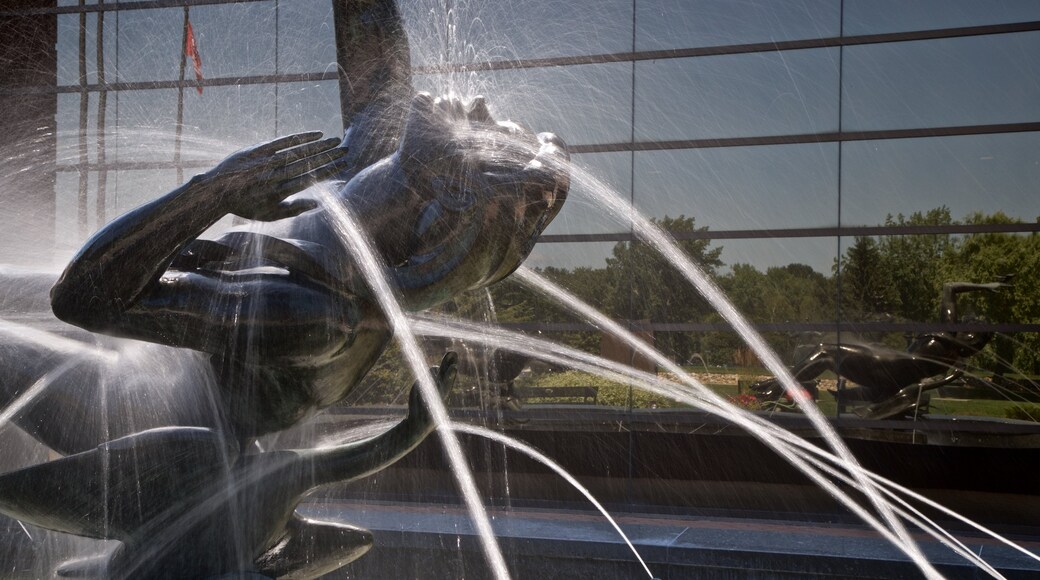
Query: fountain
174	359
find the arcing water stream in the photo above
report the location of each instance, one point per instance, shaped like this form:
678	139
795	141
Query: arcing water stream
544	460
785	443
663	243
355	240
797	453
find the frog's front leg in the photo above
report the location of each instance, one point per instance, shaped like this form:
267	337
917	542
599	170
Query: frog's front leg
311	548
356	460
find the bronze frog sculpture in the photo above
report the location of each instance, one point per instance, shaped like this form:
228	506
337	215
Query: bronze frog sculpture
282	325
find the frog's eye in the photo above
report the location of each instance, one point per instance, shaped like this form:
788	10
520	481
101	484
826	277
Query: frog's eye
451	194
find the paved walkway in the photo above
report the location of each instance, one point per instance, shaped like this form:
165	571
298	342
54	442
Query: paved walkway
573	544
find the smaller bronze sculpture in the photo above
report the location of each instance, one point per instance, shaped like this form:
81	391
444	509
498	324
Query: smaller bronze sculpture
891	382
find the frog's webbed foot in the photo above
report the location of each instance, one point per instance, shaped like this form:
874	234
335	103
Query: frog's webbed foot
419	417
312	548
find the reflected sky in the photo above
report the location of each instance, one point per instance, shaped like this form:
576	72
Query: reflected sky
962	81
742	188
738	95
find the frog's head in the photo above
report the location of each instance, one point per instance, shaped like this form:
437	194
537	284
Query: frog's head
482	193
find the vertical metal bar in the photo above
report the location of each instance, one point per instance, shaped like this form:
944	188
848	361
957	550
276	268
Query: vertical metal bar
102	183
115	190
837	273
180	101
84	101
277	50
632	199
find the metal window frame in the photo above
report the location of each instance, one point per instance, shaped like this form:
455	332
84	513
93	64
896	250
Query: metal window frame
619	57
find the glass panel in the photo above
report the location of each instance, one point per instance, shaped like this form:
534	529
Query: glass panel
129	189
963	175
764	187
68	48
877	16
957	81
737	95
309	107
234	39
581	104
570	255
594	174
225	119
146	125
307	39
481	31
764	254
901	280
665	24
150	45
66	222
68	124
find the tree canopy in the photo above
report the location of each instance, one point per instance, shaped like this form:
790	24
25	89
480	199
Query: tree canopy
895	278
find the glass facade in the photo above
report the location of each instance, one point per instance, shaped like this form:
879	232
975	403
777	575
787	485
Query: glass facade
788	146
773	138
835	167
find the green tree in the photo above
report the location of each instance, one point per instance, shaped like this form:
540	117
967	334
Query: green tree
867	288
914	263
985	258
642	285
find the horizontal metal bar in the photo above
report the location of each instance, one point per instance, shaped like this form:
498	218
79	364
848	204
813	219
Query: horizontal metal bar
603	58
786	327
746	48
826	232
136	166
110	7
174	84
832	137
915	133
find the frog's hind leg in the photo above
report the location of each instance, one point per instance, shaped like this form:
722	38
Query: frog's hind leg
312	548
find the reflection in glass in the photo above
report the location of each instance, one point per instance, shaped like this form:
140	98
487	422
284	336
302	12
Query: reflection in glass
764	253
570	255
879	16
482	31
665	24
582	104
763	187
584	213
900	279
306	37
946	82
225	119
312	106
68	127
150	44
965	174
737	95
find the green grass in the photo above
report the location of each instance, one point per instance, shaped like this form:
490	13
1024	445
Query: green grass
985	408
613	394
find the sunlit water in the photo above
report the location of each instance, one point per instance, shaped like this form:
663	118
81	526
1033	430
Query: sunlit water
649	232
355	239
785	443
803	454
816	464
